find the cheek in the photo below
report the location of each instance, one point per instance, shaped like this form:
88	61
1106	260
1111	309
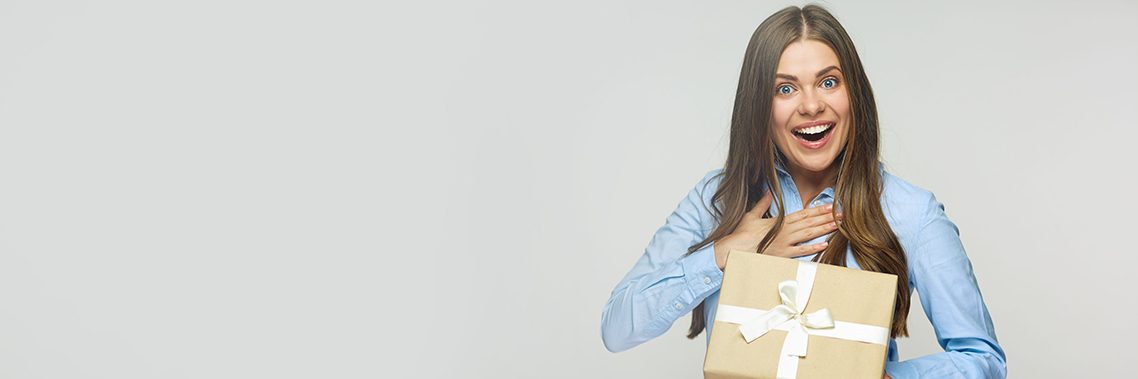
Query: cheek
840	103
780	114
842	109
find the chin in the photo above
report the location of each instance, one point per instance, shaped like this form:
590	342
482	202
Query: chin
816	165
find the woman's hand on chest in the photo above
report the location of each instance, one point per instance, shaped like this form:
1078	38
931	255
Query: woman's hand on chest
797	227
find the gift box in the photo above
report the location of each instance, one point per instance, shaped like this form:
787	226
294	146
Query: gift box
785	318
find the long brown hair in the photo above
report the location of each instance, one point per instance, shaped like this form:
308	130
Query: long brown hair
752	154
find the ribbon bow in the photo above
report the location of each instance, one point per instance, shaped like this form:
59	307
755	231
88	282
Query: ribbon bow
792	310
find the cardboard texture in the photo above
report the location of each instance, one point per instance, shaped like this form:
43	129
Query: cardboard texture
751	280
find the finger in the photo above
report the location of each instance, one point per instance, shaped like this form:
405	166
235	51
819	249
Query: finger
794	252
814	248
812	232
809	212
816	220
797	216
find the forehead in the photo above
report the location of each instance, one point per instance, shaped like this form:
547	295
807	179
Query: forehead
807	57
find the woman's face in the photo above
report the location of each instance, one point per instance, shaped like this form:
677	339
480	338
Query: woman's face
811	109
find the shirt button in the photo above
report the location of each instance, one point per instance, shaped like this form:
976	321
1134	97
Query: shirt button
706	280
816	203
679	306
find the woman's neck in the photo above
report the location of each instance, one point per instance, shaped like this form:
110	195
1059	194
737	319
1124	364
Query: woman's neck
810	184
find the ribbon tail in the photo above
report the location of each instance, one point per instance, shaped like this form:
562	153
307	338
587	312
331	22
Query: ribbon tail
787	367
796	340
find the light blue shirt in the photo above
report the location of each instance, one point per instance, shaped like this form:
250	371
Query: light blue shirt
664	284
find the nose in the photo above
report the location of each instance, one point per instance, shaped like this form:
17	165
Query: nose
811	105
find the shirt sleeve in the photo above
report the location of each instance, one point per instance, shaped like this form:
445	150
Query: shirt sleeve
664	284
942	275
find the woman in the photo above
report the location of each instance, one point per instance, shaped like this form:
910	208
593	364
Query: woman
805	132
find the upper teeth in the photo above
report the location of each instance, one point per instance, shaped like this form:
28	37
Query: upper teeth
815	129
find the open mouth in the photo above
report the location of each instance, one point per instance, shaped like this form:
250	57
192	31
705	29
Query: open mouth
814	133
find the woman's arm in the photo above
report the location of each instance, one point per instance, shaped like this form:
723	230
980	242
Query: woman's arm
664	284
951	299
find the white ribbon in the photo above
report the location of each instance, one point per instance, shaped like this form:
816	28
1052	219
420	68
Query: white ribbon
790	316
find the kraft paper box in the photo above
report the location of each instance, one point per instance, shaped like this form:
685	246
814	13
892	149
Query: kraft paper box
842	332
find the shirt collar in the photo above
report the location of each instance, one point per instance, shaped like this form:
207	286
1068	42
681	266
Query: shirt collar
780	165
827	193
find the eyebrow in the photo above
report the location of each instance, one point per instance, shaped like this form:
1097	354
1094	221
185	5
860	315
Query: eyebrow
795	78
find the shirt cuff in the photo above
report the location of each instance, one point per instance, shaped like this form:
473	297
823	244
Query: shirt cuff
901	370
701	273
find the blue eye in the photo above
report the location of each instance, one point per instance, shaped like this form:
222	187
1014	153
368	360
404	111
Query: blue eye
829	83
784	89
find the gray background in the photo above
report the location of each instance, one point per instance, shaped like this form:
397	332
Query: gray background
237	189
